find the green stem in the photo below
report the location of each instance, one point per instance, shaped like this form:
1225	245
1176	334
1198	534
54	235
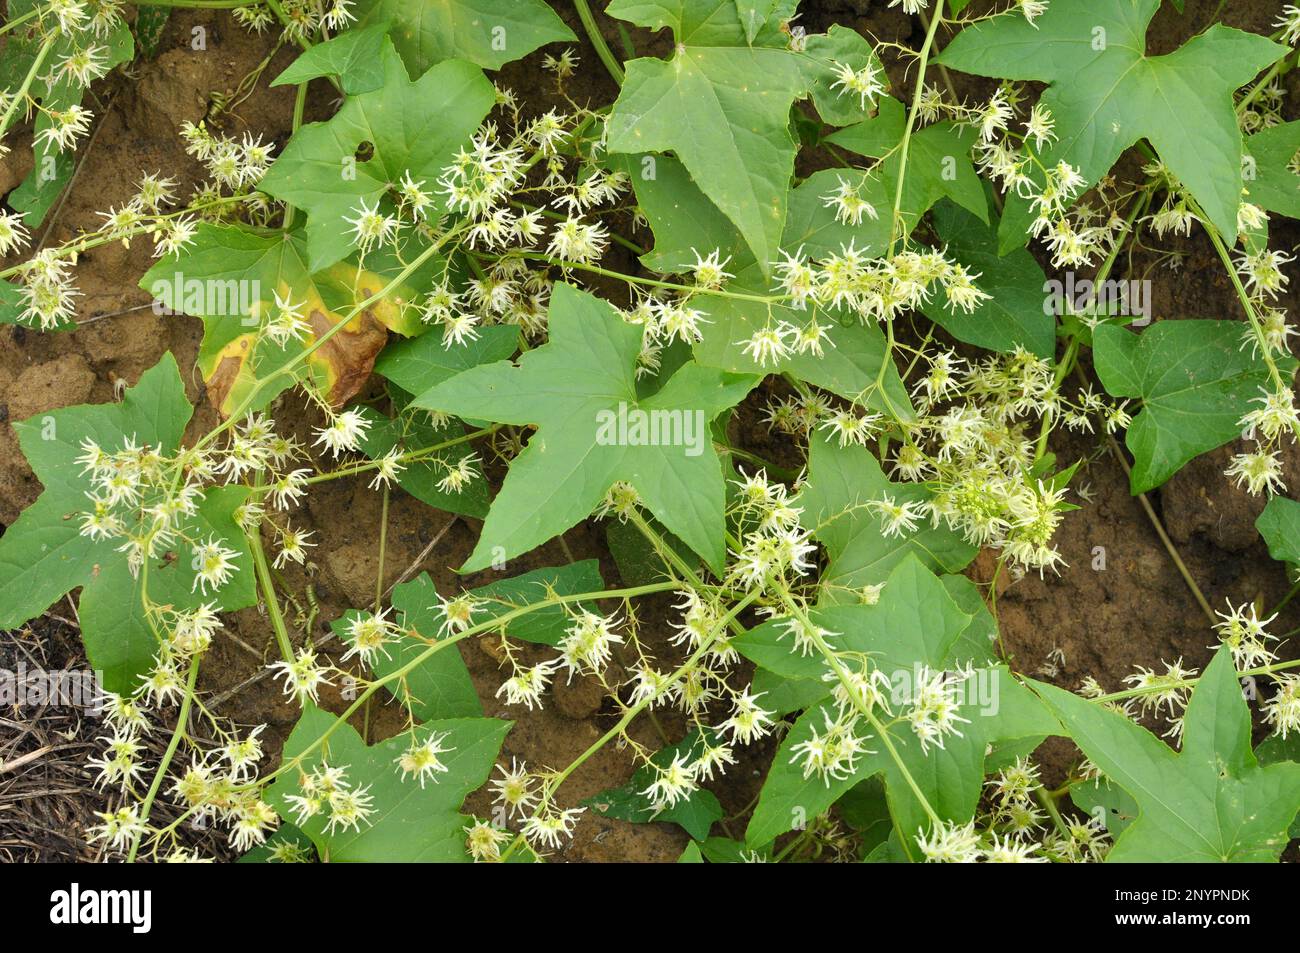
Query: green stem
288	24
1049	805
408	457
263	571
299	104
652	282
598	41
489	625
1291	593
937	18
1226	258
383	547
18	21
141	228
555	216
882	732
1164	686
182	718
21	95
1049	416
1136	209
783	473
706	644
795	844
1263	82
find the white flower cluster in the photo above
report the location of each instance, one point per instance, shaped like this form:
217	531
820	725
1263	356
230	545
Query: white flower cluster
1010	829
237	165
862	692
606	648
774	550
876	289
326	790
82	28
864	83
1246	636
1075	236
133	498
147	503
971	442
483	188
1163	693
220	782
304	20
1275	419
46	289
587	649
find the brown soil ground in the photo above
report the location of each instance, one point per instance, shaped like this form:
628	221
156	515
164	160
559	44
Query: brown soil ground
1135	611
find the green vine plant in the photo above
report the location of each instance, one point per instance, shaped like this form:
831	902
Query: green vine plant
581	314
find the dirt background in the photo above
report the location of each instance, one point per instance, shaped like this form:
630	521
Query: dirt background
1095	622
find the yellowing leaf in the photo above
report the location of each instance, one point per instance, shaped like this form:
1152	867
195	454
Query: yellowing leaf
230	278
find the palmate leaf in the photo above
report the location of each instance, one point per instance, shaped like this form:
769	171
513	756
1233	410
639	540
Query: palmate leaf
409	431
725	850
865	808
12	306
685	223
783	695
409	824
916	622
43	555
1014	316
938	163
754	15
639	562
854	357
1279	524
489	33
1195	380
229	278
823	54
576	389
1275	749
951	778
1105	802
542	626
415	364
695	814
355	58
56	91
1269	177
841	482
119	641
722	104
413	127
1209	803
1106	93
853	363
1002	711
440	686
683	219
